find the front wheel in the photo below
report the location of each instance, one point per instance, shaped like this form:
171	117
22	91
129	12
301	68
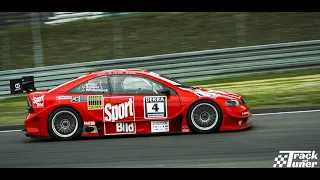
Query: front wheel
204	117
65	124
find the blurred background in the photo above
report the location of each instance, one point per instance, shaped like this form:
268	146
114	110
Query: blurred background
34	39
274	60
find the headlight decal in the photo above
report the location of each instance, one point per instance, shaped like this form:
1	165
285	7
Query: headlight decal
232	102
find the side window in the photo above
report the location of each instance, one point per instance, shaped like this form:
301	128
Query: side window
95	85
128	84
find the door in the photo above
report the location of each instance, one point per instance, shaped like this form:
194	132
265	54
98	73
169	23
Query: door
143	95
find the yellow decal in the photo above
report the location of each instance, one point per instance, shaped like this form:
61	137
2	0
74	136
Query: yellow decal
95	102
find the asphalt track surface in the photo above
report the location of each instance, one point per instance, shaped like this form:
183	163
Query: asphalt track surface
253	148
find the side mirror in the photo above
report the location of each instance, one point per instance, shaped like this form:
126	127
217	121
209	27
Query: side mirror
165	91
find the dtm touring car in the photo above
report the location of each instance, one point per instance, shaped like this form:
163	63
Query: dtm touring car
127	101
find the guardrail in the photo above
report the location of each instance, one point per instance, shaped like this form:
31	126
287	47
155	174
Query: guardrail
189	66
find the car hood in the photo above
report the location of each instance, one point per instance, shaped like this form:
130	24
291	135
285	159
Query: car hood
216	93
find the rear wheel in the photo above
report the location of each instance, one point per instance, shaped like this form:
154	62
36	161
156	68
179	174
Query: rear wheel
65	124
204	117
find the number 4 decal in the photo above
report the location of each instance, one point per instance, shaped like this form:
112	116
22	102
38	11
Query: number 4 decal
155	107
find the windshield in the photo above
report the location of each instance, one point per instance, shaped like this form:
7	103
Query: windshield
176	82
172	81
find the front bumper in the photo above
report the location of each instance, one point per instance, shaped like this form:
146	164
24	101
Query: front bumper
236	118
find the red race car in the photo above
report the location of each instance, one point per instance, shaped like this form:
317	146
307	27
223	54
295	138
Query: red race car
129	101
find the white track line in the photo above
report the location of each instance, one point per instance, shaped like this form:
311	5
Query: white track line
10	131
261	114
289	112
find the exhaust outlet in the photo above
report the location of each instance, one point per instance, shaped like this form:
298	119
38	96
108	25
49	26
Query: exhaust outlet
89	129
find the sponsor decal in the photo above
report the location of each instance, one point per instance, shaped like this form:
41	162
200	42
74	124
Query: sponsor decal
17	87
79	99
63	97
296	159
155	106
83	98
159	126
216	91
245	113
75	99
93	87
123	110
94	102
38	101
207	94
185	128
213	95
89	123
124	127
115	72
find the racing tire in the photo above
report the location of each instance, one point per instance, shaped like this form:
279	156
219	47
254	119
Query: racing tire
65	124
204	117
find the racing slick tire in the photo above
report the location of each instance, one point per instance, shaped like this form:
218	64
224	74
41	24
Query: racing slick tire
204	116
65	124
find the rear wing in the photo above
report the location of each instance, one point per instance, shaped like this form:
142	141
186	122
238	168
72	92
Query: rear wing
26	83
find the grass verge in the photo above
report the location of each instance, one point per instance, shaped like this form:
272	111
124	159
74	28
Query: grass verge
297	88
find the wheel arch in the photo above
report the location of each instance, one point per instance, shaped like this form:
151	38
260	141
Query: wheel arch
204	99
64	106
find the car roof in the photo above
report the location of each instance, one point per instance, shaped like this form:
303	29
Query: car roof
113	72
90	75
120	71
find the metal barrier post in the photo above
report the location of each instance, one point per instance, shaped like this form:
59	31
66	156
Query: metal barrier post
36	37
